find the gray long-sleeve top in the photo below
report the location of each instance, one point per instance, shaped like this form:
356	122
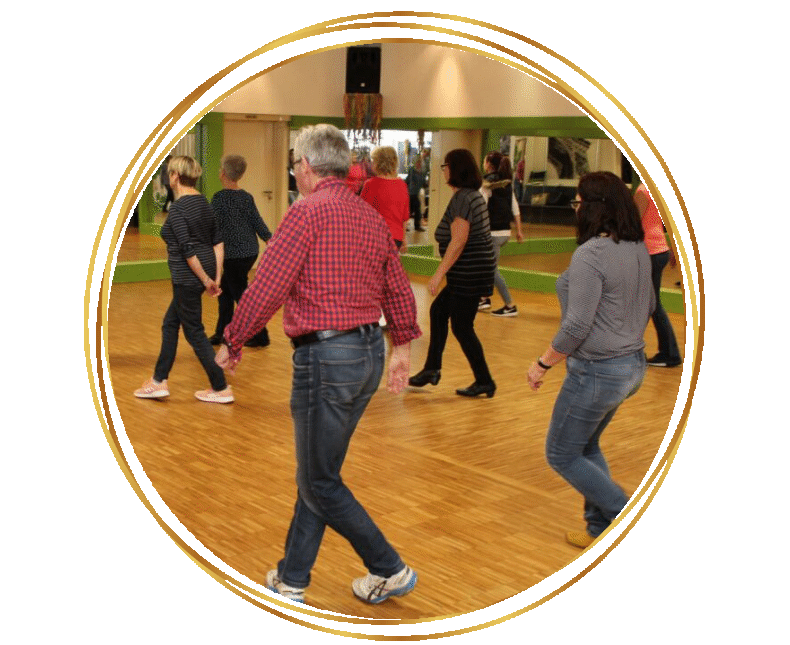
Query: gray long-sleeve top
606	297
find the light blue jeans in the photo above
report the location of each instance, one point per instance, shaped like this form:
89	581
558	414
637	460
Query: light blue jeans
333	382
499	281
589	397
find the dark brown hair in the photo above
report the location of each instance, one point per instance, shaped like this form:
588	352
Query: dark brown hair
607	208
501	164
464	172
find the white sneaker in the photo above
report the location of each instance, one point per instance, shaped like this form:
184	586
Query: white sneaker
212	396
506	312
375	589
273	583
152	390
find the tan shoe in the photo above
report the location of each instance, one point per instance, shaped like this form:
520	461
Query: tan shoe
581	539
273	583
375	589
152	390
213	396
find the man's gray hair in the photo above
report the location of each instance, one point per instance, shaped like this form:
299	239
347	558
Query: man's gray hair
325	148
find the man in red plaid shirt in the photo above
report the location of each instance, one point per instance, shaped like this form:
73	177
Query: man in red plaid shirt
333	265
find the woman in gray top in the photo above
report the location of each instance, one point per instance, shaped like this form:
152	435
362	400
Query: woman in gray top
606	298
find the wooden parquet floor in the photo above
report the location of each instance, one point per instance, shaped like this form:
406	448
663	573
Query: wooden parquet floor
460	487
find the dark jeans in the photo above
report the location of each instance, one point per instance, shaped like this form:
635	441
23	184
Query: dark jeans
667	344
590	395
233	284
186	311
333	381
414	210
450	310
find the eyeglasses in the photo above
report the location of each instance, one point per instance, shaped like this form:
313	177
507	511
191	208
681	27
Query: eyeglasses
578	202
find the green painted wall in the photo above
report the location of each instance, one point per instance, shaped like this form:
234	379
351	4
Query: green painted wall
209	150
212	141
559	126
418	261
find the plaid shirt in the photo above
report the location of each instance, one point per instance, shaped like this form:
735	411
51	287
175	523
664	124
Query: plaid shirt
334	264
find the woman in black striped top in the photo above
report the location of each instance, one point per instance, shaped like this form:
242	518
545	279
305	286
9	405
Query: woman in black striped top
464	238
194	253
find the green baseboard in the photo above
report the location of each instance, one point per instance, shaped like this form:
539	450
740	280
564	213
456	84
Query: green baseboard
141	271
150	228
420	262
533	245
540	245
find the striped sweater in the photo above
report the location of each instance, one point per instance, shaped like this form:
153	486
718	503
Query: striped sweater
473	272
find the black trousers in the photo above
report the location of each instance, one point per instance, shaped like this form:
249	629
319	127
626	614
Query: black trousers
233	284
414	210
451	311
185	311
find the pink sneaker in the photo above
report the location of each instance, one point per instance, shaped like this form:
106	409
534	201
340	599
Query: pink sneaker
152	390
212	396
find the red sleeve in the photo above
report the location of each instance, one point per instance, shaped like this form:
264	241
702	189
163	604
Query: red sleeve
404	198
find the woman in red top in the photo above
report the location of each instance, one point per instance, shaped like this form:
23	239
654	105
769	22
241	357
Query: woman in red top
387	192
357	173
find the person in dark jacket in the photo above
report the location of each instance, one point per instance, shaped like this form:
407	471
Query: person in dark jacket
241	225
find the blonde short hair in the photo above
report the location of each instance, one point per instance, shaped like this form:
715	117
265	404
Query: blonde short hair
187	169
385	160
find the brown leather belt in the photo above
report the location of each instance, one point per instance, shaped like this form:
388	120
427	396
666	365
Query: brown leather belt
318	336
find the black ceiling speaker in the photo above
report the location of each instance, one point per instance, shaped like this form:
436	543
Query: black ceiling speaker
363	69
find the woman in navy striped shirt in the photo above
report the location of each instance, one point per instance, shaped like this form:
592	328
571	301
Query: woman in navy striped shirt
194	253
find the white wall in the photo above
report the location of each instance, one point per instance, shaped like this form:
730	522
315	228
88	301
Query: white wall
417	80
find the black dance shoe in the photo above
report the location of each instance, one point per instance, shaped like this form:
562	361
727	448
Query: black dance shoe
476	389
256	342
260	340
424	377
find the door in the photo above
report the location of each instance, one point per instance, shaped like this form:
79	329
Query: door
259	141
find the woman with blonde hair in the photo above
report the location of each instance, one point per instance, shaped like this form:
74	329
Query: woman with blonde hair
387	192
194	254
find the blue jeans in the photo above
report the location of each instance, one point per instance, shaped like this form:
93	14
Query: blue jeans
589	397
667	344
333	381
499	281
